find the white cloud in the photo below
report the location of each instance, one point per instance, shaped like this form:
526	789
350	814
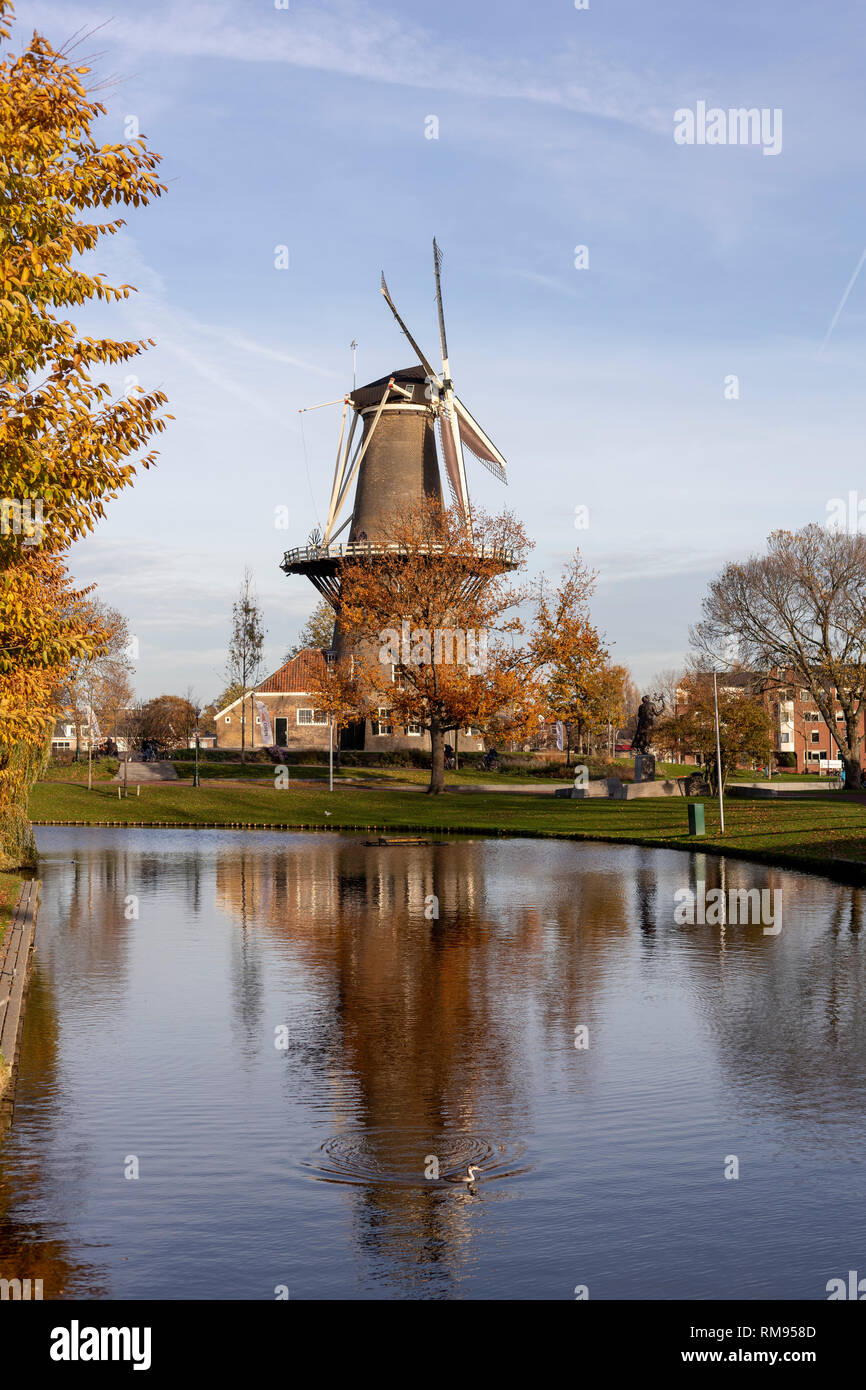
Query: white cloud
358	41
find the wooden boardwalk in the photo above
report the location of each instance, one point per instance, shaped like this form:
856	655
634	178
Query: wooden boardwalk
15	955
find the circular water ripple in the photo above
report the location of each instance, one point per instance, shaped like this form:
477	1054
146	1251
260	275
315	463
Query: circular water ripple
402	1158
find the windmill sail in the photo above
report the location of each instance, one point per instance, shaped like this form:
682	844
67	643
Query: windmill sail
425	363
478	444
449	454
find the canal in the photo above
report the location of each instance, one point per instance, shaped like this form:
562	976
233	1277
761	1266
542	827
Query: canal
253	1063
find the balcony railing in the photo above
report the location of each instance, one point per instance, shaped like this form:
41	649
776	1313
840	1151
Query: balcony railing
306	554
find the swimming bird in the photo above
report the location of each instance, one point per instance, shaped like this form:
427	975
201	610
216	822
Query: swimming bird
469	1176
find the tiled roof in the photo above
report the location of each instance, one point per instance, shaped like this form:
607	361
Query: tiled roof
295	675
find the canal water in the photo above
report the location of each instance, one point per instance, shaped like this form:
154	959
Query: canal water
252	1062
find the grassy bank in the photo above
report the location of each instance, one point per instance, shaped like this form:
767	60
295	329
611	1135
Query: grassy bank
822	834
103	769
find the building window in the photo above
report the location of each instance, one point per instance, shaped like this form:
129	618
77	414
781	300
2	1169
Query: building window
382	724
816	735
312	716
786	738
813	757
804	695
228	719
413	728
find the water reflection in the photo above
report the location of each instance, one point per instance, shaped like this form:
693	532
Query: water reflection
432	996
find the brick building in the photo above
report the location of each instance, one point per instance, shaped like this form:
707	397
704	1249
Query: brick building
297	724
797	724
800	728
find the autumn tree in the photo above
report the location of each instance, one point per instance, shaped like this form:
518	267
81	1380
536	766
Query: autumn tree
98	678
668	687
798	615
607	702
244	663
431	623
567	649
317	632
169	719
745	733
66	446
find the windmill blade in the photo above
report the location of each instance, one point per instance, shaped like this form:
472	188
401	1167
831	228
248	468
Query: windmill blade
418	353
449	456
437	267
451	442
452	447
478	443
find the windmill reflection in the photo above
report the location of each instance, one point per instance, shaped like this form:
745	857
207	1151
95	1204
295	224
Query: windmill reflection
426	960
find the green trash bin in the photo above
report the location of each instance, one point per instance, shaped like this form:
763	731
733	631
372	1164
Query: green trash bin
696	818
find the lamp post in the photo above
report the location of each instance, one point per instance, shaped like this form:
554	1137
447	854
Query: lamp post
195	778
718	756
331	754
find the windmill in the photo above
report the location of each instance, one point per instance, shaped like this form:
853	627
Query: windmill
393	460
457	428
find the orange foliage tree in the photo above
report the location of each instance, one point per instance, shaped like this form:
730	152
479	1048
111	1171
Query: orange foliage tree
568	651
66	446
429	628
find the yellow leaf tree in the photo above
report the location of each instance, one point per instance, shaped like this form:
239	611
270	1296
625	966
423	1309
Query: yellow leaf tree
66	445
568	650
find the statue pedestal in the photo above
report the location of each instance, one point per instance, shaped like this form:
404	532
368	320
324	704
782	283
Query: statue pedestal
644	768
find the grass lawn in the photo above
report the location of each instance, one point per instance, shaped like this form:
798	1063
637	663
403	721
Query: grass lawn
103	770
817	833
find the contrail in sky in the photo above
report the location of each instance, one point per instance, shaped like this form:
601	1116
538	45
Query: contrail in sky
848	288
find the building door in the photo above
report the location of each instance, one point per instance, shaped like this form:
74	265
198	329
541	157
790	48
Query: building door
281	729
352	734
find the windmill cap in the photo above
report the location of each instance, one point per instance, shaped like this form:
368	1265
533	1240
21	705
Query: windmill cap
410	378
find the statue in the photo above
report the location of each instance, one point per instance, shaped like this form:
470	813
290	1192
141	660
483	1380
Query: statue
646	715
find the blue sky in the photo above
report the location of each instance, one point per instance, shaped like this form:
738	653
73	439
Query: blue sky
604	387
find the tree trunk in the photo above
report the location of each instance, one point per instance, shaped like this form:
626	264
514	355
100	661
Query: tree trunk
437	759
849	749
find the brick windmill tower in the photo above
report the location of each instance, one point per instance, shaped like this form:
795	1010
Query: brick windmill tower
406	430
